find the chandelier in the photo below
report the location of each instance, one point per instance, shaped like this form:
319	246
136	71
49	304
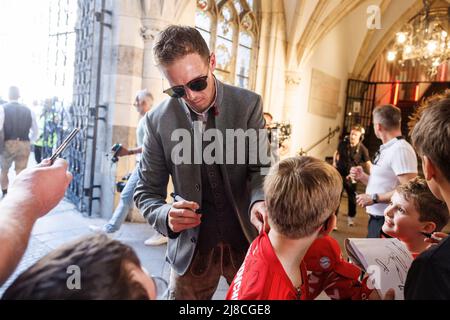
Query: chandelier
424	40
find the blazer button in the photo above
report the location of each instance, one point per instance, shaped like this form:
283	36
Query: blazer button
193	240
197	187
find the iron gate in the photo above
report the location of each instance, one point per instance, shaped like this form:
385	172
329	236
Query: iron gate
82	113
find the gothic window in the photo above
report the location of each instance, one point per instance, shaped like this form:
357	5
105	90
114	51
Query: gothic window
230	29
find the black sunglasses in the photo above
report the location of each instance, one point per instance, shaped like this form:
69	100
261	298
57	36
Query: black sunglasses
198	84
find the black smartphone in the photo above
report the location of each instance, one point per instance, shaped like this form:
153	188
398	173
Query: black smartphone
64	145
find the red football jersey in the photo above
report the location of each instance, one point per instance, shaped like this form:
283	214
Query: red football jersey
329	272
262	277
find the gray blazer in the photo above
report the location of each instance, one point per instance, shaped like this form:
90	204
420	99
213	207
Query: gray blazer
238	109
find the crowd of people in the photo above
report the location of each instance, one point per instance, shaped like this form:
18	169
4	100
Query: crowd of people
266	234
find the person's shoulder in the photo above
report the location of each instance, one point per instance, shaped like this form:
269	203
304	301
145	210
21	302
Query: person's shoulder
437	253
261	253
363	147
322	255
402	144
325	255
253	276
164	108
242	94
9	104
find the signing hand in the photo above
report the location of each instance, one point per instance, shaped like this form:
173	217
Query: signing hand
182	216
258	216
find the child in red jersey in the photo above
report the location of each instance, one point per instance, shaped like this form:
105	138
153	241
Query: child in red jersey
302	194
413	213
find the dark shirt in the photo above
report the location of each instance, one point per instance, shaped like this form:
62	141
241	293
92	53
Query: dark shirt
429	275
219	219
17	123
351	156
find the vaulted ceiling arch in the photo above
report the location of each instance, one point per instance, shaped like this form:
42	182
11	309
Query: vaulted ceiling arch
366	60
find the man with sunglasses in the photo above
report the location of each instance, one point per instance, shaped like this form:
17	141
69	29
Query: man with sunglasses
394	164
210	231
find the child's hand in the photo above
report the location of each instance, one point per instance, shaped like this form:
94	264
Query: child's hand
436	238
390	295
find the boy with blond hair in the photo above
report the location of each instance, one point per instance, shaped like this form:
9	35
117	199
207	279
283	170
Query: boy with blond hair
302	195
429	275
414	213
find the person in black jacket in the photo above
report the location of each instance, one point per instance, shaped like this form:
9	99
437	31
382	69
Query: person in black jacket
351	152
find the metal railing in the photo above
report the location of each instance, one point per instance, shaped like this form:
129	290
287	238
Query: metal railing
329	136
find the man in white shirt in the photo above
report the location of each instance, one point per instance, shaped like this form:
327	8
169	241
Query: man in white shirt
20	129
394	164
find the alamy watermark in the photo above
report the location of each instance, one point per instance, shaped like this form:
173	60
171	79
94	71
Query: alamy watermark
73	282
212	146
374	17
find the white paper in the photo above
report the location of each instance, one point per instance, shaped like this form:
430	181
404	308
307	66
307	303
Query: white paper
386	261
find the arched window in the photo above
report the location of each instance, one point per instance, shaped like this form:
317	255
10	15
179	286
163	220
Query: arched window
231	30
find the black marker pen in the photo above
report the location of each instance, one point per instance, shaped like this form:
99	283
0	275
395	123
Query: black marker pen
178	198
428	235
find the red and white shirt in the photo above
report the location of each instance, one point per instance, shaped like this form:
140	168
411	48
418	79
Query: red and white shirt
262	277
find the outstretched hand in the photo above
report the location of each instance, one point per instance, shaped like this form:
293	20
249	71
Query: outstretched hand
42	187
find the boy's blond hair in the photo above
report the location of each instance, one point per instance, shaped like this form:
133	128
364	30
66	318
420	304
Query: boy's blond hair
427	205
301	194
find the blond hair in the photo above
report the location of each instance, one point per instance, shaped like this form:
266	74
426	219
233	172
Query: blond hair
301	194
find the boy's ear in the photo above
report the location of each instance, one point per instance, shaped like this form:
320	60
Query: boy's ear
429	170
429	227
212	61
330	224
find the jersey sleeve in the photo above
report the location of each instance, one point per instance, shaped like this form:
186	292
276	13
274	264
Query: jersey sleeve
329	272
337	286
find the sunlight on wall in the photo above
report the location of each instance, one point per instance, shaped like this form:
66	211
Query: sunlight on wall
24	32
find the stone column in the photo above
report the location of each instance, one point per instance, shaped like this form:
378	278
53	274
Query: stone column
272	58
151	77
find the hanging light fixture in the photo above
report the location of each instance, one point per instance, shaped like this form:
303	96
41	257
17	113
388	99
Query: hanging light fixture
424	39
